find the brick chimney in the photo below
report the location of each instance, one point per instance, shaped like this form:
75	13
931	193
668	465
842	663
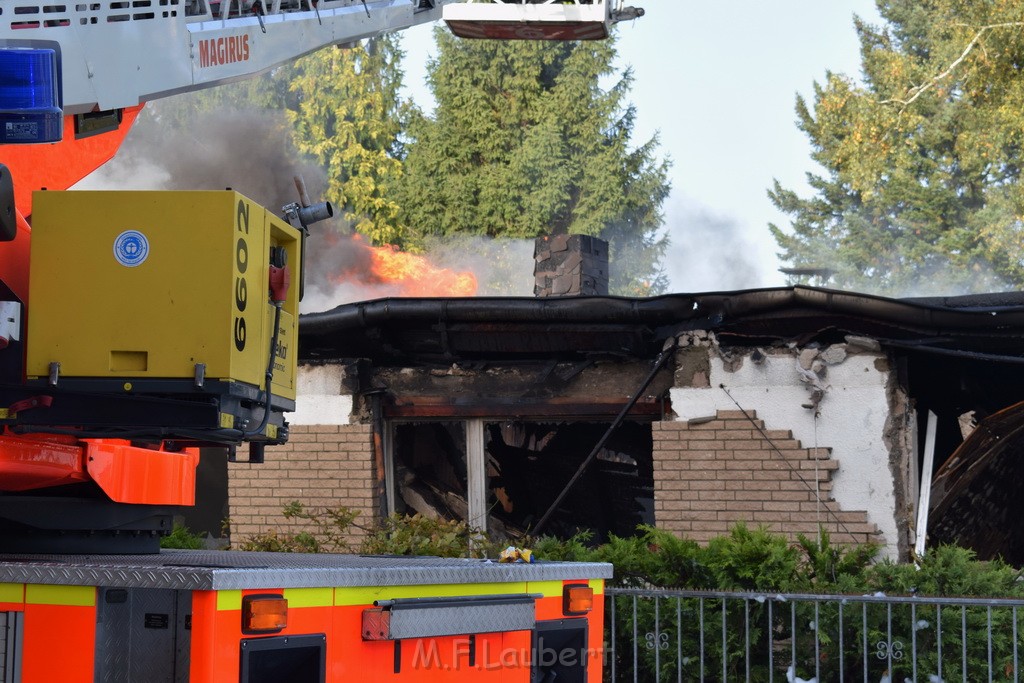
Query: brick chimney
570	265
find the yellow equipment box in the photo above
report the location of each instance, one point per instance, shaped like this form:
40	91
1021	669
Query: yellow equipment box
146	285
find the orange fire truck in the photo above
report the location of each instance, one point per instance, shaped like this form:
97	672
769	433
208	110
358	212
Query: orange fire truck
138	326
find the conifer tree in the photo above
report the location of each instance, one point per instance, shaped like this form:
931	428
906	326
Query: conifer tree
348	119
921	189
530	138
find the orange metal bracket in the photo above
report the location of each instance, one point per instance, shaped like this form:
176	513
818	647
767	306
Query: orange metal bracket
28	462
140	475
127	474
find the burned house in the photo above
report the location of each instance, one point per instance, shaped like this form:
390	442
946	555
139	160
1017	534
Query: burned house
796	408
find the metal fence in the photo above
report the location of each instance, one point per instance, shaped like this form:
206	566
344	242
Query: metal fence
665	635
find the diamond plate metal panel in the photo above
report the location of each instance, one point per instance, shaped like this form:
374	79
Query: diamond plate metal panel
233	570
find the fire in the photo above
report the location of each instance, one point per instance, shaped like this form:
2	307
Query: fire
364	272
414	275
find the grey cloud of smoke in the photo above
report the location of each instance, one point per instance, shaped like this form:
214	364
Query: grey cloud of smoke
715	253
251	152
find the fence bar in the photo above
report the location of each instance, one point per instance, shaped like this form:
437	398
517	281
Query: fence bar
679	640
989	618
888	637
817	644
657	640
792	636
746	626
864	613
963	640
725	646
636	658
913	640
1014	645
842	653
938	635
701	602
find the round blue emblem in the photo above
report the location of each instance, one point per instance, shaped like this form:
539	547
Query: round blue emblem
131	248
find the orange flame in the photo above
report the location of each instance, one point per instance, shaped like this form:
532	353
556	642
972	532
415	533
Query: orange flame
414	275
386	271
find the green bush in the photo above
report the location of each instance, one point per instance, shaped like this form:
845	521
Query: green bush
328	532
183	538
419	535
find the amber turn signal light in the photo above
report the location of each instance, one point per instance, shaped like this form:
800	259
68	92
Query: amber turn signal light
264	614
577	599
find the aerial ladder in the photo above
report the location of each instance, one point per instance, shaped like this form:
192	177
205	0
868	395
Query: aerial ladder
137	327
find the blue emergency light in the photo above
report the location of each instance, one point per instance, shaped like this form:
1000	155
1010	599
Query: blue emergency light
29	103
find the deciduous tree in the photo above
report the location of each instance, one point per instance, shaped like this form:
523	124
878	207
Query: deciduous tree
921	184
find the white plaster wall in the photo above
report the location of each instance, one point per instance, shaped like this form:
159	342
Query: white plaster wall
851	422
319	400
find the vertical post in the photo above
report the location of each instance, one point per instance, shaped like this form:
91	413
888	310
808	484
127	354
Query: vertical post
476	475
388	439
926	484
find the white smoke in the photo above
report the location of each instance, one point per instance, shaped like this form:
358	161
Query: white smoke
709	253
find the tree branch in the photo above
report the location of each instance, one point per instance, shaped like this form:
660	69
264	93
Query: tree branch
919	90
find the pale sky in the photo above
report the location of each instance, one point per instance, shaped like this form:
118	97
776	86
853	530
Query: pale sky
718	80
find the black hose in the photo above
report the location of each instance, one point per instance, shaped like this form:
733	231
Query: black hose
269	376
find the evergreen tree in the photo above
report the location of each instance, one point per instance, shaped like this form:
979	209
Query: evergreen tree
921	189
524	141
347	118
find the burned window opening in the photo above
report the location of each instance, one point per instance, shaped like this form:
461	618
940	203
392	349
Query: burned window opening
529	463
430	469
526	465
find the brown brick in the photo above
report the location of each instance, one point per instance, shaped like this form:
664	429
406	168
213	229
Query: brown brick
792	496
820	465
751	454
758	486
750	445
709	505
750	464
780	506
738	435
701	515
735	475
745	505
709	445
784	445
711	425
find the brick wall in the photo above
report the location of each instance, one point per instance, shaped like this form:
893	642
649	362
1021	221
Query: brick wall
321	466
709	476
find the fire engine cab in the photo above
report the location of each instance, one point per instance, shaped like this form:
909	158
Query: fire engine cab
136	327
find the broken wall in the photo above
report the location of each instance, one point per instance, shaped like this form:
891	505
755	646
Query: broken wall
711	474
788	437
844	398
